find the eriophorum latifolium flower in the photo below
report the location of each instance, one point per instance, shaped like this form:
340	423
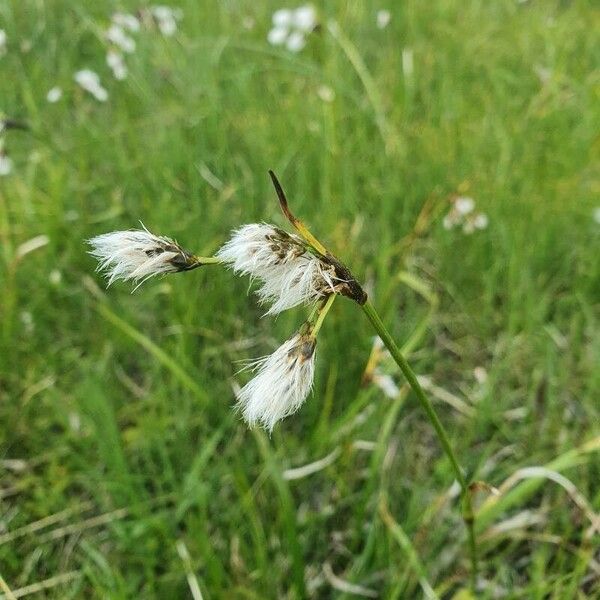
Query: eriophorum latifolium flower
292	270
137	255
290	273
282	383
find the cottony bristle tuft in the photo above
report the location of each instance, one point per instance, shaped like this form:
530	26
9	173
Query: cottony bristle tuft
282	384
137	255
290	273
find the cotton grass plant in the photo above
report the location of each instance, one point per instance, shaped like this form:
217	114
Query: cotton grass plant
293	269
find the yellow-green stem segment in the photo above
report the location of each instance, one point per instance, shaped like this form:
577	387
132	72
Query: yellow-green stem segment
467	509
322	313
206	260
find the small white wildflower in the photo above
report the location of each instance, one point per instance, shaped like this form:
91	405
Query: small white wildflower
2	42
54	95
290	27
75	422
166	19
408	63
27	321
6	165
464	205
480	221
277	36
117	36
295	41
378	344
450	220
137	255
282	384
480	375
326	93
461	214
283	18
90	82
55	277
597	214
116	63
290	274
248	22
305	18
383	18
386	384
544	74
126	21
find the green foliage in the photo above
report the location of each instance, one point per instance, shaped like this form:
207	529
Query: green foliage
116	408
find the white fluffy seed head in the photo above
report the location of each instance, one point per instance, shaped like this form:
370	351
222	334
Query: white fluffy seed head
90	82
289	272
282	384
137	255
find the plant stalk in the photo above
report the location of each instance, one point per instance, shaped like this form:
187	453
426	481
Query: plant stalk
466	505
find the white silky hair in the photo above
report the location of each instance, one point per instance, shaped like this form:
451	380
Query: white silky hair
289	273
282	384
134	255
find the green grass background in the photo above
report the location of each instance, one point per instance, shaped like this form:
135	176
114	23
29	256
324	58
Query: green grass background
117	402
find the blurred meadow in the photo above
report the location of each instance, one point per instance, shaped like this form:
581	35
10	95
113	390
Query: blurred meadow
449	152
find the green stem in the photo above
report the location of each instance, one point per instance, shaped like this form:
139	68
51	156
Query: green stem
467	509
206	260
321	314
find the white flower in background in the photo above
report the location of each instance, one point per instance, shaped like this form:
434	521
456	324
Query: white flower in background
464	205
54	95
375	371
463	214
383	18
277	36
544	74
290	27
468	227
386	384
408	62
121	42
480	374
166	19
6	164
480	221
90	82
289	272
282	384
55	277
126	21
597	215
116	63
296	41
326	93
284	17
27	322
450	220
137	255
305	18
117	36
2	42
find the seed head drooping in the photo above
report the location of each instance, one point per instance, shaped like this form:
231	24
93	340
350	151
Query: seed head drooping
137	255
282	384
290	273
